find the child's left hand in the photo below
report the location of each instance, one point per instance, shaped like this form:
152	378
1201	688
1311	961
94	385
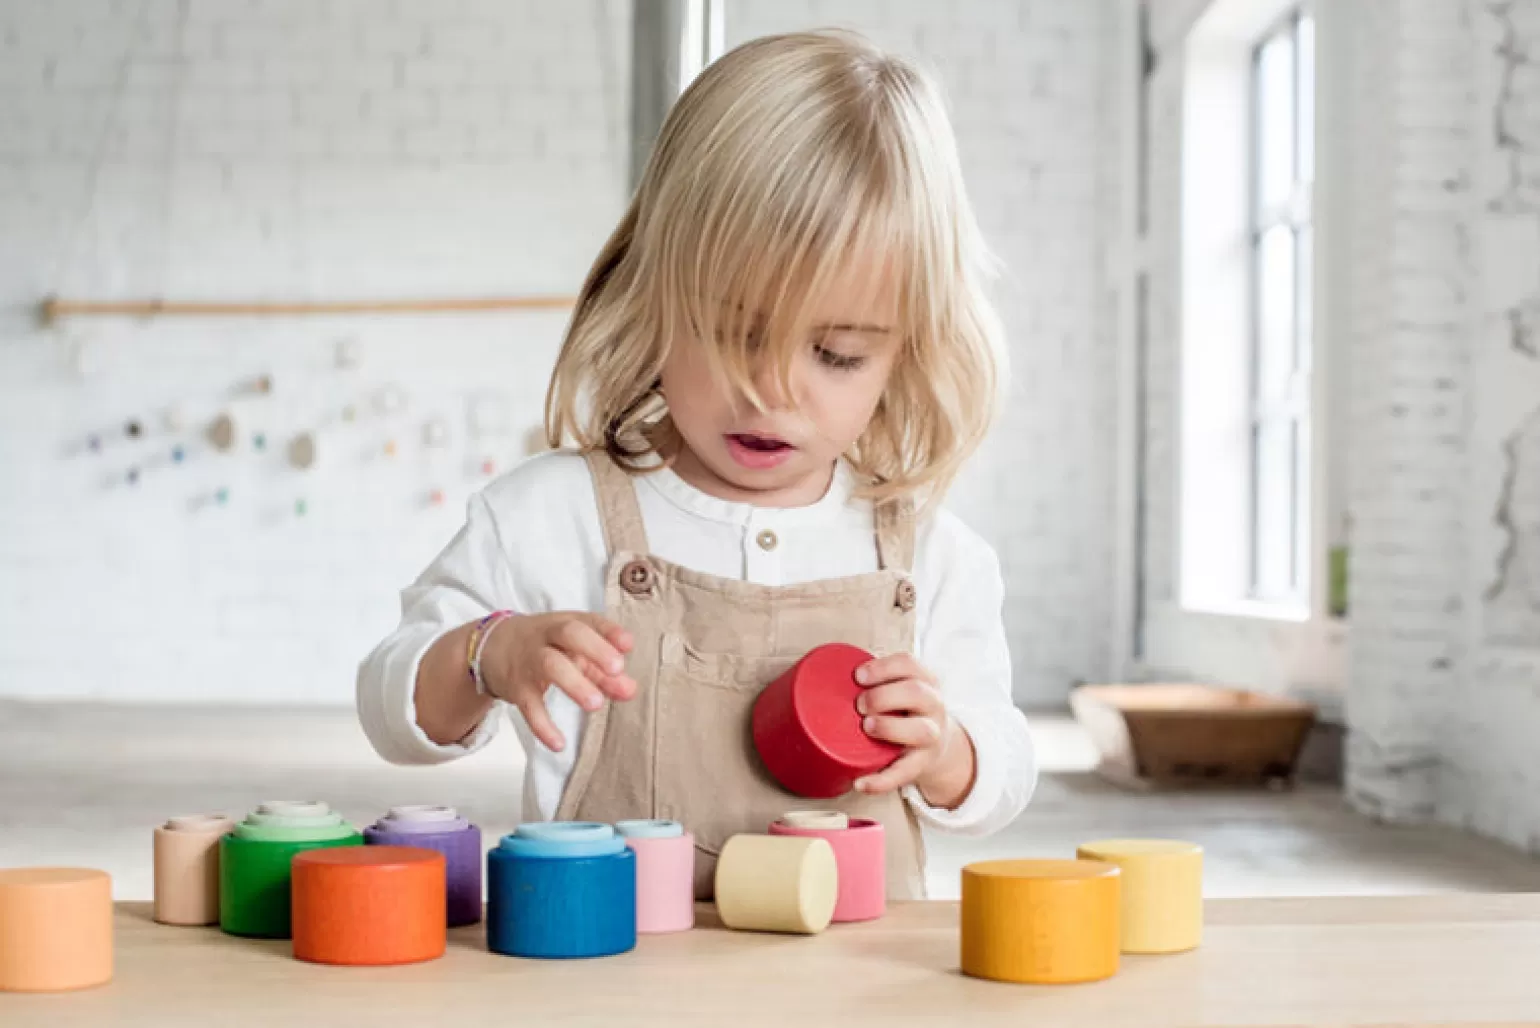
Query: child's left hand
902	705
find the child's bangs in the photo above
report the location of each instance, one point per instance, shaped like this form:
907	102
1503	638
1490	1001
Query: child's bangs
762	274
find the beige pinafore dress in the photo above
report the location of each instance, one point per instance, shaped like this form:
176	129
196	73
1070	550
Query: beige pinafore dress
681	748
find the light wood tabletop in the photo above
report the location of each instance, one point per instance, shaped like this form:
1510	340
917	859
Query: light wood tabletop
1381	960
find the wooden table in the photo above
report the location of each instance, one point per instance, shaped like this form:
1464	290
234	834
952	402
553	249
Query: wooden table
1416	960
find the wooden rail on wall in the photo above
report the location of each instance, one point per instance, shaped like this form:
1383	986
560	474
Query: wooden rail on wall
54	308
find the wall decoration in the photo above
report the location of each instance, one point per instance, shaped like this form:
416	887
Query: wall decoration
258	385
53	309
248	419
219	497
302	451
222	432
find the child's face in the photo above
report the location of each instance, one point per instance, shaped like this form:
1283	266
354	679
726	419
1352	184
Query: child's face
784	456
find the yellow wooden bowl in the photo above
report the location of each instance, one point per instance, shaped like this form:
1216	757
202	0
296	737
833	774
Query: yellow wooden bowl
1040	921
1162	905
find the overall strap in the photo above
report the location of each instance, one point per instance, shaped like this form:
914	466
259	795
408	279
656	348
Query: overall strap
619	512
895	535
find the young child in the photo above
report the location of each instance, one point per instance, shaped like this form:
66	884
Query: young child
775	367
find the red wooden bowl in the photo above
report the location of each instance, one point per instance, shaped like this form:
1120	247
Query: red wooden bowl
807	729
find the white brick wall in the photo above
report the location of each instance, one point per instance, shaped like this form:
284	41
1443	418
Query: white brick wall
1492	773
339	148
324	149
1026	82
1445	428
1408	444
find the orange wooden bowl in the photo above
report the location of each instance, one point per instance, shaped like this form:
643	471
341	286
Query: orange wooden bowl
369	905
55	929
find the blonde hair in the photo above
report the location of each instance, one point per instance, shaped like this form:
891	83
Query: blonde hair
785	158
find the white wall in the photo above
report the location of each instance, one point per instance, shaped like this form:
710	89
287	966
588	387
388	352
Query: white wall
330	149
1410	451
1492	770
1030	89
272	149
1444	700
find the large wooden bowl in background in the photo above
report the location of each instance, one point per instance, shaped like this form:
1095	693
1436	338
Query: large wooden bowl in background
1174	734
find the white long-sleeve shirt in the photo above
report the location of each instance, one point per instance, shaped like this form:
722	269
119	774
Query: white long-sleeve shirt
532	543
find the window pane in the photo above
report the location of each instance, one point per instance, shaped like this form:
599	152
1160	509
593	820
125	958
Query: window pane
1276	305
1274	507
1300	579
1304	315
1275	121
1307	99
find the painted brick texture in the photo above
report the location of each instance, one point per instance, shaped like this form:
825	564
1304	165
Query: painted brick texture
324	149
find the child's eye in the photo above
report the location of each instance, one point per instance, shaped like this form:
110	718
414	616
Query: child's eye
841	361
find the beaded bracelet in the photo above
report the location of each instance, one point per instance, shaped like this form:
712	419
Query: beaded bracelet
478	643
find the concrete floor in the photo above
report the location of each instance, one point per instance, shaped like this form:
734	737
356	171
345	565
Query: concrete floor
85	785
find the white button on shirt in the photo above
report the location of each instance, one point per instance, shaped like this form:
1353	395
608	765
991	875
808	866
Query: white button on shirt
532	542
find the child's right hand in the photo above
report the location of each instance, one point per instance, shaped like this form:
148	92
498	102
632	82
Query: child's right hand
581	654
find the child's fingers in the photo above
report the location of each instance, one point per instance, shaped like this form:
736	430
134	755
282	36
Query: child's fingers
905	695
561	672
903	731
891	669
621	687
578	638
617	636
896	775
539	721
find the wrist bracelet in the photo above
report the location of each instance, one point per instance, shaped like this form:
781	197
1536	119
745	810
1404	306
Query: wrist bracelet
478	643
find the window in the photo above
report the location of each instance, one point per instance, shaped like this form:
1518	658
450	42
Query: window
1282	161
1237	558
1246	480
702	39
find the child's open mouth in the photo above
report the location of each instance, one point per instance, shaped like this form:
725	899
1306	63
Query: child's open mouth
757	451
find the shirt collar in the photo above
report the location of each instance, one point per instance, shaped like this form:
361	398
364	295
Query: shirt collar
687	498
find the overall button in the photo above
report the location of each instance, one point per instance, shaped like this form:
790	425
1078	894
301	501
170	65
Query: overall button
766	540
903	599
636	577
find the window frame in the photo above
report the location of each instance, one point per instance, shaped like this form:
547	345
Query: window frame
702	38
1290	410
1189	565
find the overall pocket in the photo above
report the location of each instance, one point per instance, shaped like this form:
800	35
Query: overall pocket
708	773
